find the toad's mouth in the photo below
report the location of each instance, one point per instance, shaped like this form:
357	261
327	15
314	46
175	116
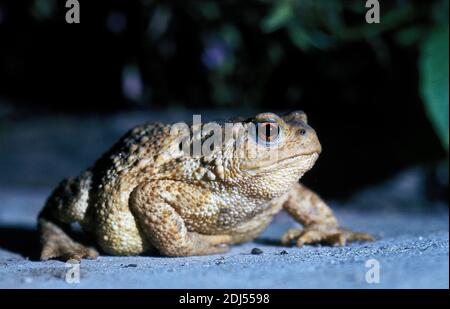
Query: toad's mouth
307	159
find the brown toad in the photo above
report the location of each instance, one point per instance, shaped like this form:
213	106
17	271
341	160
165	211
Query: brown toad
149	192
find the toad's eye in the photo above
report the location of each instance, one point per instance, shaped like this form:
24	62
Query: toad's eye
268	132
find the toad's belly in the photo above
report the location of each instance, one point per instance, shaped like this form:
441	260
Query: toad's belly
244	220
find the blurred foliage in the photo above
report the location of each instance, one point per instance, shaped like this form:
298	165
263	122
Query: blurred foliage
312	26
434	69
237	53
377	93
228	28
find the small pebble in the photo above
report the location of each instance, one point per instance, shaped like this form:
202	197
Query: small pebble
130	265
284	252
257	251
220	260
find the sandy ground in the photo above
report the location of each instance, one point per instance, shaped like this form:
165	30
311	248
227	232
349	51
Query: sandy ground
412	246
412	250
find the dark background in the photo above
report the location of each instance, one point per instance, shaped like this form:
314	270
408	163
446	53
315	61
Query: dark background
360	84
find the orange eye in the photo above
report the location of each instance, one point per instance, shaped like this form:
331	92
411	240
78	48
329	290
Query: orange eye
268	131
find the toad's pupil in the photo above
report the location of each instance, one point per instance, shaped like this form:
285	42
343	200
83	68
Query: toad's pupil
268	130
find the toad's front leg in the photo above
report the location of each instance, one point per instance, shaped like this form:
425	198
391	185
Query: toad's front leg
165	228
320	224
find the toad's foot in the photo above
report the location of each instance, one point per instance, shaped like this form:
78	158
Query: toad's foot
65	251
56	244
323	234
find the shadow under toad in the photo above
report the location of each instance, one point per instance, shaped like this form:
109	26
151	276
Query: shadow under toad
25	241
269	242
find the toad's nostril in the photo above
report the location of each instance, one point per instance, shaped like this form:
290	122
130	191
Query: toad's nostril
302	131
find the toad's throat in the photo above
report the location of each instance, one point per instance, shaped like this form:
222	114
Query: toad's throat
307	159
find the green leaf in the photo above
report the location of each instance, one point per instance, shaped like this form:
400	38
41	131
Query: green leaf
299	36
280	14
304	39
434	68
